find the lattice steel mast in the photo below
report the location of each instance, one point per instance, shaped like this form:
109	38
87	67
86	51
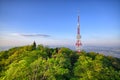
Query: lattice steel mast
78	42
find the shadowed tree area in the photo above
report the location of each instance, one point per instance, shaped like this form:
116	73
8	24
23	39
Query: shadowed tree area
37	62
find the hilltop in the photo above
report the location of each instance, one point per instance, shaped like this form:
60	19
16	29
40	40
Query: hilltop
38	62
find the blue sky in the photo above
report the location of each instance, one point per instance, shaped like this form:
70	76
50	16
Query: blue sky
54	22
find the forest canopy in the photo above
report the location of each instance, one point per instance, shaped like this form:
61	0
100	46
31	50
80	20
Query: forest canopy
38	62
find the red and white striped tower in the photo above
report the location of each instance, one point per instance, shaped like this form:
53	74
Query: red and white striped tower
78	42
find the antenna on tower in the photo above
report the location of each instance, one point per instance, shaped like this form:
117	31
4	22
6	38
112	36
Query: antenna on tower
78	15
78	19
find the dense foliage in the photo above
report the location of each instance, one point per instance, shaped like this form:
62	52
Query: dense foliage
42	63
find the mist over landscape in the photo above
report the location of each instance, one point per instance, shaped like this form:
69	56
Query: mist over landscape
108	51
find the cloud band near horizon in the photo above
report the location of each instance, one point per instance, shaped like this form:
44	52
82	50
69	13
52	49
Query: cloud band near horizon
34	35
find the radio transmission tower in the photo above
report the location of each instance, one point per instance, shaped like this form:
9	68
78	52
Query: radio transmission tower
78	42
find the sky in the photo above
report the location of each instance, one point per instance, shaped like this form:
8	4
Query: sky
54	22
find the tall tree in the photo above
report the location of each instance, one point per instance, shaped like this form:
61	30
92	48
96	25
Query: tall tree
34	45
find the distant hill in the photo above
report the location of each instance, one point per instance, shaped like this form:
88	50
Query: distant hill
38	62
2	48
108	51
